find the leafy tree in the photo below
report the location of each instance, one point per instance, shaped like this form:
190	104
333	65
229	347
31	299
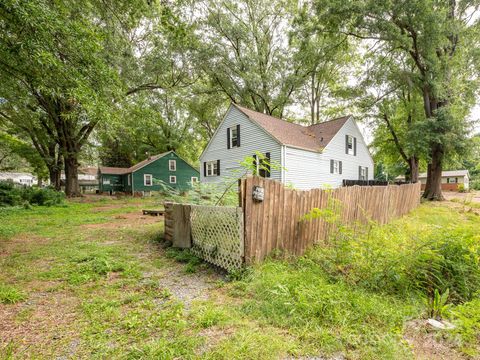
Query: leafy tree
441	39
245	54
57	58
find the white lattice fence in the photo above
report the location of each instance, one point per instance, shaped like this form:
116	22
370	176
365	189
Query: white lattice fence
217	235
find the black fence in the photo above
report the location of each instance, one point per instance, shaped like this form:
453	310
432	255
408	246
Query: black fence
372	182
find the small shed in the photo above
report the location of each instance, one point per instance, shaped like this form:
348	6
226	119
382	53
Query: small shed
149	175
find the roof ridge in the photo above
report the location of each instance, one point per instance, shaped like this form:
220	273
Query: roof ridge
336	119
290	122
273	117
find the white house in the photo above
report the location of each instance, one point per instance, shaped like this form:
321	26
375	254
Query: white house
451	179
315	156
21	178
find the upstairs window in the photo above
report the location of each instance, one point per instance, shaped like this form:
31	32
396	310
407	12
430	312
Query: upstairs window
147	179
350	145
212	168
233	137
172	165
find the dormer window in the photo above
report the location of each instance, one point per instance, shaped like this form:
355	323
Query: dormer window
233	137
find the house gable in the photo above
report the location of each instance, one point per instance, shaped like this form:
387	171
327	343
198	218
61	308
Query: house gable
253	138
307	169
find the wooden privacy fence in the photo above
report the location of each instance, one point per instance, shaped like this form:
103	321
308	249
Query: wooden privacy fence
278	222
230	236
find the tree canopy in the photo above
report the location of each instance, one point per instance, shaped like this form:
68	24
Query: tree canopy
124	79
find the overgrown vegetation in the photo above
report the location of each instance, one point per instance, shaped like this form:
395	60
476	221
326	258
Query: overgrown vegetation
126	297
13	195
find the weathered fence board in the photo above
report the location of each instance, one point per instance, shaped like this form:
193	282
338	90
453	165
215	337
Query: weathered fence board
278	222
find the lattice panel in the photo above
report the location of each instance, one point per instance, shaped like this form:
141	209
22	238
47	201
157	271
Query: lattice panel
217	235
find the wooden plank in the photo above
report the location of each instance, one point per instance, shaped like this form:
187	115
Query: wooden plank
249	219
181	229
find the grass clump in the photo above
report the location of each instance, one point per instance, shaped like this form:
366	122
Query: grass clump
406	259
325	315
10	294
466	333
191	261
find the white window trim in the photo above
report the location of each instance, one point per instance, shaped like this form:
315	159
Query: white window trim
196	179
174	163
363	173
174	178
145	179
211	165
233	128
129	179
336	167
351	150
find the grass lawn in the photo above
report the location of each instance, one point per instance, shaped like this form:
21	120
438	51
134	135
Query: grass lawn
91	280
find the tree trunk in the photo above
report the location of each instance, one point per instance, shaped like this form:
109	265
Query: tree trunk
433	187
54	175
414	168
72	189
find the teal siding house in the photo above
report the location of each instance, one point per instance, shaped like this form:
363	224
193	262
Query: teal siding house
167	168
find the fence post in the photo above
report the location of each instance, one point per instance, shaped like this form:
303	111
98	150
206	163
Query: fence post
182	237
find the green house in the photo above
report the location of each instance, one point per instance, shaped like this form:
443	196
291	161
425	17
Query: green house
167	168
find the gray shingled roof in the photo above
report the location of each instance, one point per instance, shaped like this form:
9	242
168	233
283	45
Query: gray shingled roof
314	137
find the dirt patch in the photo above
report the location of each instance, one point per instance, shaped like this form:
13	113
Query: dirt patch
43	324
427	343
473	196
21	244
126	220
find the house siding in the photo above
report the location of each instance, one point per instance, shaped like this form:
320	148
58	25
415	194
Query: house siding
307	169
252	138
160	171
115	183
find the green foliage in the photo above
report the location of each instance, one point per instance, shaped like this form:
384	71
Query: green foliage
10	294
331	316
437	306
403	260
12	195
466	319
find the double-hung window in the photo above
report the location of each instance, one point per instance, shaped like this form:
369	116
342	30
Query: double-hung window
335	166
350	145
147	179
173	179
233	137
362	173
172	165
211	168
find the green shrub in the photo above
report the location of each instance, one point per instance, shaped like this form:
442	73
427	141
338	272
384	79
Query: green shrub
466	333
9	194
13	195
475	184
397	259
